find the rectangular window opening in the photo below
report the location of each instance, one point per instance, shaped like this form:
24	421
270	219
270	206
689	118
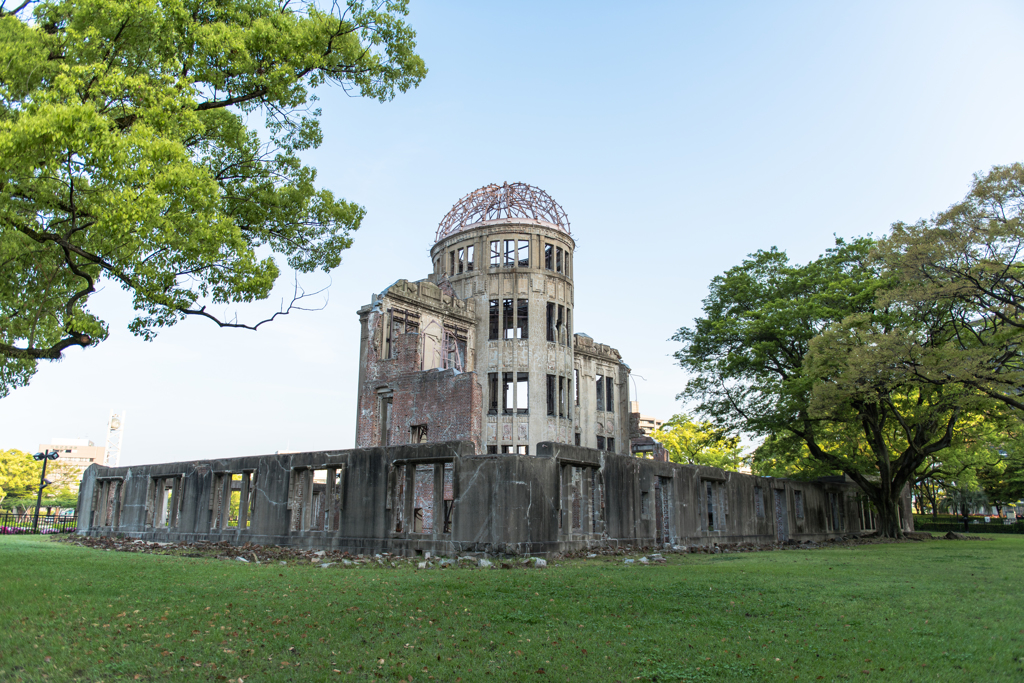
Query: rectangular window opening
561	397
523	318
611	444
608	396
524	253
510	253
495	254
448	495
551	322
549	257
551	395
576	384
462	259
469	258
507	403
559	327
419	433
492	383
494	320
423	500
600	443
558	259
600	392
508	320
523	393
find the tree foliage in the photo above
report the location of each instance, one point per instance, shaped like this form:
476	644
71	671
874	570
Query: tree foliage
964	265
19	474
699	443
155	145
802	355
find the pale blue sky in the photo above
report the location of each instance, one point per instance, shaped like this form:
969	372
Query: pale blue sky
678	137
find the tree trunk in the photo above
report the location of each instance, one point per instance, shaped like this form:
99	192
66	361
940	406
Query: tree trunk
888	507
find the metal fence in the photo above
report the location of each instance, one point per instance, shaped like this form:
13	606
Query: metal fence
21	523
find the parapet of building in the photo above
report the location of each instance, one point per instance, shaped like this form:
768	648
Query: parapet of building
447	499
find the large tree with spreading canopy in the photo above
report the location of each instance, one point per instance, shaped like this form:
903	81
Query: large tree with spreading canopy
155	145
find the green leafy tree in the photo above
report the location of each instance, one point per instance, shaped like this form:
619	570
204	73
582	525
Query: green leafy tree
699	443
130	154
965	265
19	474
797	354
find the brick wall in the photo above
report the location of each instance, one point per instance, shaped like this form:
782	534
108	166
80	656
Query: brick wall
448	402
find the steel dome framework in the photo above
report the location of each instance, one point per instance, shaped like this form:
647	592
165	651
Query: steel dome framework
506	201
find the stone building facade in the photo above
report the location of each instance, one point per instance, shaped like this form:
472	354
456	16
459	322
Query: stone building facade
484	424
498	304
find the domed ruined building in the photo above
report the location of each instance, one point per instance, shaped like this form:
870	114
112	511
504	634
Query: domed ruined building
499	305
485	424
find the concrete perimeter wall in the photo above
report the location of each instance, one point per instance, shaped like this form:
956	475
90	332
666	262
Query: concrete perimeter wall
445	499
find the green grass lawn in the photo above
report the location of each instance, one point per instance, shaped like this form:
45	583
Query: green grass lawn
930	611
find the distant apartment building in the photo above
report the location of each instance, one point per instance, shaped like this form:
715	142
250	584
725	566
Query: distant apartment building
76	453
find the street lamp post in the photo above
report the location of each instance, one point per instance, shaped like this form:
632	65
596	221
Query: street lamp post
47	455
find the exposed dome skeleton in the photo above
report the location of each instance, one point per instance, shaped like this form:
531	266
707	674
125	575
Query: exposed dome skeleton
505	201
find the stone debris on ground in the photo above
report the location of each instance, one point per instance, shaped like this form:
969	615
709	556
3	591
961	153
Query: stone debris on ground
640	555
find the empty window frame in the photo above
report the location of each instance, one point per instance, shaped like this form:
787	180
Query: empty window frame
401	322
709	496
461	260
522	393
507	448
492	450
492	384
396	498
418	434
611	444
578	438
551	395
576	384
494	320
385	419
470	258
549	257
315	498
507	398
759	501
453	345
523	318
568	400
868	518
510	253
448	496
559	327
561	397
558	259
508	323
551	322
798	500
423	499
568	326
524	254
164	501
600	392
600	443
108	497
835	512
451	263
495	253
515	396
609	395
522	449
